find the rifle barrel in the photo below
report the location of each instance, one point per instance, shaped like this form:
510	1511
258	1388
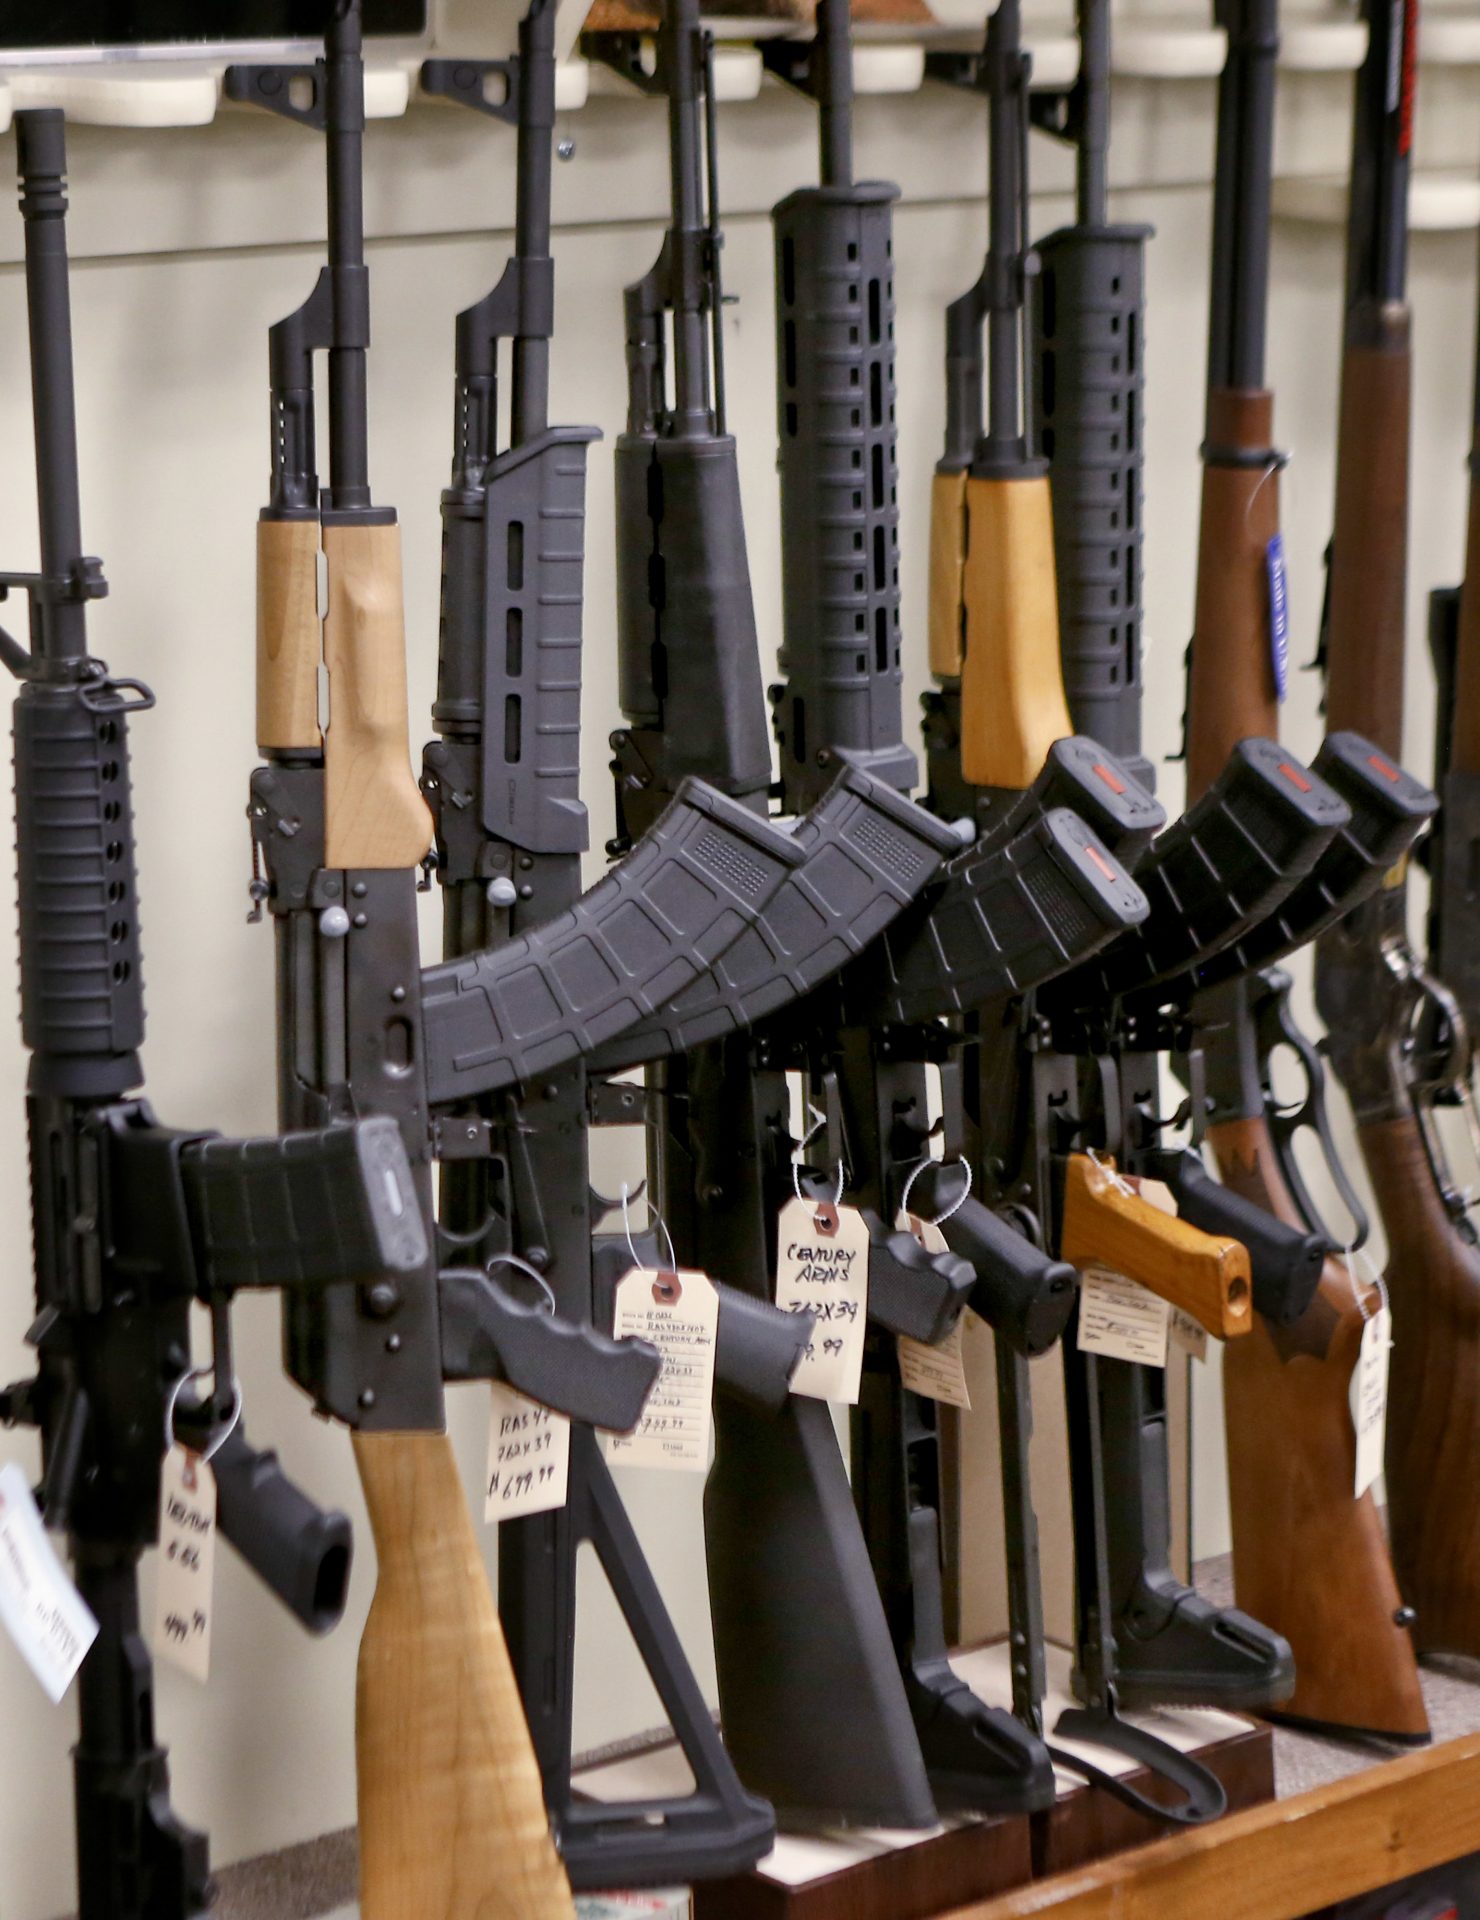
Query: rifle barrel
349	468
1241	194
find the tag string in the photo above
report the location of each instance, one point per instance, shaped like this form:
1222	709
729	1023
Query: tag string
660	1225
956	1205
217	1441
1111	1172
819	1121
1351	1254
521	1265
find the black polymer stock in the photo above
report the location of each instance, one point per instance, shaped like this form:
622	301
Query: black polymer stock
181	1215
992	925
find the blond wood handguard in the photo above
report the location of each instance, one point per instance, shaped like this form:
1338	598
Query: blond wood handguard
1012	687
1204	1274
452	1816
374	813
947	559
289	638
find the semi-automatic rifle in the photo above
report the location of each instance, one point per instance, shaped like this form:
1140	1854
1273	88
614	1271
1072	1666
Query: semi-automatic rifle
1291	1444
449	1793
1076	1069
133	1221
1396	1032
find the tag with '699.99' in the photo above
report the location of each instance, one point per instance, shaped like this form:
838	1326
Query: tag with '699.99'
822	1269
528	1456
187	1563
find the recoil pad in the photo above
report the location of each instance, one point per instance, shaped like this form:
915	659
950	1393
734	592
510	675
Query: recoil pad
1088	320
689	661
1002	921
1104	791
519	616
82	990
863	854
1231	859
301	1553
1285	1262
690	886
840	652
1388	809
1022	1293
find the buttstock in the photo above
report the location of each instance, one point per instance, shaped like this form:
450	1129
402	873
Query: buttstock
451	1809
289	637
375	816
947	568
1206	1275
1012	691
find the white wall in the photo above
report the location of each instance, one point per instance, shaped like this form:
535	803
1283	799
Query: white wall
188	245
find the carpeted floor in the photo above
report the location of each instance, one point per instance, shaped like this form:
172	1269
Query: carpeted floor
317	1881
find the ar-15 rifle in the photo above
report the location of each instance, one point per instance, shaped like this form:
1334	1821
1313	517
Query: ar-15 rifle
134	1220
1291	1446
441	1742
1397	1035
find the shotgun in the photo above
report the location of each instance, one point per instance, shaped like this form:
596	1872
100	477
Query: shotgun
178	1215
1291	1447
1372	990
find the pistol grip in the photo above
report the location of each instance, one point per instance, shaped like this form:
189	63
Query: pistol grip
910	1289
1207	1276
1012	689
375	816
452	1811
947	570
289	639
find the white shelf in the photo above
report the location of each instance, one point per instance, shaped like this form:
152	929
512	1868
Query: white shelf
738	72
882	67
572	85
1324	42
1437	202
1449	38
1147	49
166	93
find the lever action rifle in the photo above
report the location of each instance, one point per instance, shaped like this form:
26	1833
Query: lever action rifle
1291	1446
1049	895
1435	1557
134	1220
1396	1032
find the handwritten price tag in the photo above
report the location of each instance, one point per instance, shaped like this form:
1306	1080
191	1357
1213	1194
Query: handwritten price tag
528	1456
42	1611
187	1563
1121	1319
822	1269
1369	1390
679	1314
938	1372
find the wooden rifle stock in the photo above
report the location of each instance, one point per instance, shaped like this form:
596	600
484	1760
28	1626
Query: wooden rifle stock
947	569
1012	687
1291	1468
1206	1275
288	643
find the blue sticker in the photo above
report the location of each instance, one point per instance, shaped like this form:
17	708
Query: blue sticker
1279	615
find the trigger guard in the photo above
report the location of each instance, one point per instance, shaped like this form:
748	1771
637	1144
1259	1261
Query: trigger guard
1275	1027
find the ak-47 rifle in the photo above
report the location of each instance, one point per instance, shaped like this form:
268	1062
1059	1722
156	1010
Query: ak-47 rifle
1396	1033
134	1220
1076	1070
451	1810
996	924
1291	1446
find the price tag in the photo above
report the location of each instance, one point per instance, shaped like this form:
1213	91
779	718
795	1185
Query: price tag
1279	615
679	1314
822	1269
1189	1334
1368	1395
187	1563
528	1456
938	1372
1120	1319
43	1612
